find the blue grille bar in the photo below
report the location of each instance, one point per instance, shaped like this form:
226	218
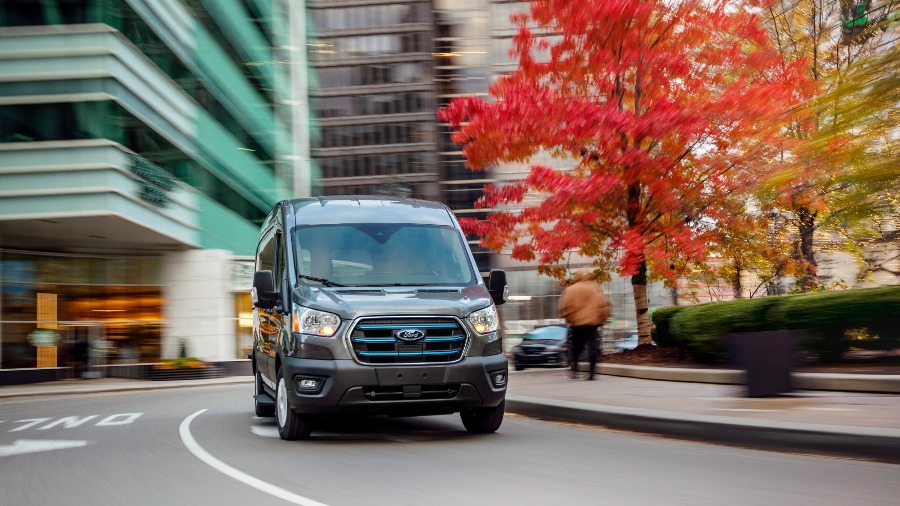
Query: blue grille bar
402	326
448	339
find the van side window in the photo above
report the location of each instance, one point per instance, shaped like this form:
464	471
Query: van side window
280	262
265	259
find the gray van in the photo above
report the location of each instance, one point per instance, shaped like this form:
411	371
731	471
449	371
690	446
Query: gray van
373	305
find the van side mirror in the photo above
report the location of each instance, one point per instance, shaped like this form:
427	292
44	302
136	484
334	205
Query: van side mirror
263	293
497	287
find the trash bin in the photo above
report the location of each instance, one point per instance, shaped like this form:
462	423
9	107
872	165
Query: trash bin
767	358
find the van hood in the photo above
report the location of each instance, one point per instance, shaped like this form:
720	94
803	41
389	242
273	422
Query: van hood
354	302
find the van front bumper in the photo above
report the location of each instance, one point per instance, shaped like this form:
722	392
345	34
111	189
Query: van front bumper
344	386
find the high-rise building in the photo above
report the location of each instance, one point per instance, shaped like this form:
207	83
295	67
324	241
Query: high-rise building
373	96
142	143
382	69
463	67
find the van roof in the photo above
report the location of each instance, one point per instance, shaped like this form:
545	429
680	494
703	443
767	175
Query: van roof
368	209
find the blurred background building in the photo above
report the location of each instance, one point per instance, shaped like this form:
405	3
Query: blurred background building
373	96
142	143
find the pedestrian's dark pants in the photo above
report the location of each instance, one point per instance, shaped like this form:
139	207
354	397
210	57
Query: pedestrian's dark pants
584	335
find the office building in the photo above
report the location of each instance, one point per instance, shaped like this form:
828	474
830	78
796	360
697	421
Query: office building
142	143
372	94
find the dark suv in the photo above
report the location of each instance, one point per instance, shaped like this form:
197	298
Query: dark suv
542	347
373	305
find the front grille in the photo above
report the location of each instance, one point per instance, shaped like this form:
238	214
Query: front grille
373	340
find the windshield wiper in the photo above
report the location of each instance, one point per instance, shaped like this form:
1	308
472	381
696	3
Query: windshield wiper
324	281
398	284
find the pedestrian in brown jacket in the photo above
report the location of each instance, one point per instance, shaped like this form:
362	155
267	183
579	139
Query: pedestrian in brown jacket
585	308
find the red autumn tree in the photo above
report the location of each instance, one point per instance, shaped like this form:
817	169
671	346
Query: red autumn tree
660	103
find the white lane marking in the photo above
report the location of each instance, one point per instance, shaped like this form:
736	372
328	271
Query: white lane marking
69	422
21	446
264	431
119	419
823	408
34	421
185	432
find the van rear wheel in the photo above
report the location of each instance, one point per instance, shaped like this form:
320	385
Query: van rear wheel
291	426
483	420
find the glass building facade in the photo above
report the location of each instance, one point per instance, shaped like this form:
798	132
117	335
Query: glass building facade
142	143
463	67
373	97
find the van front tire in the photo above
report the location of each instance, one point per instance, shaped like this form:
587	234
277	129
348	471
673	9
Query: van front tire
291	426
483	420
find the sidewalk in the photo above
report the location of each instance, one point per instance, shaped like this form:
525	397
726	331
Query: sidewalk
849	424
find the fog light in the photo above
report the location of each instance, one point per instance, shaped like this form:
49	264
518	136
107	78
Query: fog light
307	385
498	378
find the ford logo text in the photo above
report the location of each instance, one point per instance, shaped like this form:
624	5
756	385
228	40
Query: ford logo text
409	335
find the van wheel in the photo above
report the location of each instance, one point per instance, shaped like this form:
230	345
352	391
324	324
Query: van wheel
483	420
291	426
262	410
519	367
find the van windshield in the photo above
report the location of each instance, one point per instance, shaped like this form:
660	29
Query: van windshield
380	254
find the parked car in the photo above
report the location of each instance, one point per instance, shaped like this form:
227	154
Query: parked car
544	346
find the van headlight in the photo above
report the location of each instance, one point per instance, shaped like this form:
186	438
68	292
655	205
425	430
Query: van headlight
484	320
311	321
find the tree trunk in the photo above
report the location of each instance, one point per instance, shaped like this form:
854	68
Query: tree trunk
736	285
806	226
639	279
641	305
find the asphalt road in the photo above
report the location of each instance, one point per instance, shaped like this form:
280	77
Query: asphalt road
204	446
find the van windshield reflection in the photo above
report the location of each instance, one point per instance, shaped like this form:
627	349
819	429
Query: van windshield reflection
379	254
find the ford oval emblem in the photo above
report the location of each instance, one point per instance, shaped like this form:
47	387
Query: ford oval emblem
409	335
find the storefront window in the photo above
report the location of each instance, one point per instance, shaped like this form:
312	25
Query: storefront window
243	324
111	305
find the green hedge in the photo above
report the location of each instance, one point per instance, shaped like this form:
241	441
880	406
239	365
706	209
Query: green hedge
662	325
828	316
830	322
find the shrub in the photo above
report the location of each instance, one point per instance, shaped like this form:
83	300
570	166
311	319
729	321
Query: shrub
830	319
703	328
662	322
181	363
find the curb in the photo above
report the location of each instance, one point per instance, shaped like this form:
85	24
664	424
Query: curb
875	383
868	383
719	376
87	387
855	442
